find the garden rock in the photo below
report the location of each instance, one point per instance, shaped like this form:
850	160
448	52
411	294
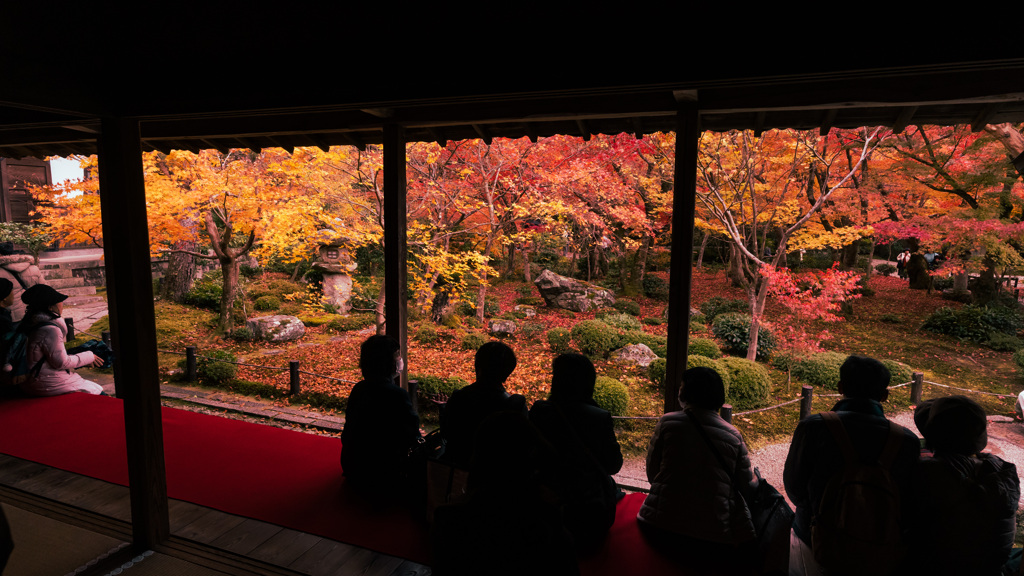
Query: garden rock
528	311
280	328
639	354
501	327
571	294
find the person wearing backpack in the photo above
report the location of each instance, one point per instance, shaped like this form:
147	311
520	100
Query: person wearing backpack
849	473
965	501
51	366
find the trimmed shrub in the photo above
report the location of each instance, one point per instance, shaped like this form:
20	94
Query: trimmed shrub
733	328
699	317
656	371
898	372
267	303
972	322
437	386
1003	342
473	341
652	321
535	301
206	292
704	347
820	369
611	395
655	287
559	340
749	382
351	322
716	305
717	366
242	333
531	330
214	368
595	338
627	306
657	344
425	333
942	283
885	269
697	326
623	321
318	319
784	360
889	318
1018	358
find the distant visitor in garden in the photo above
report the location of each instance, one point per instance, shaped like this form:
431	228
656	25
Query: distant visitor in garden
583	436
965	501
51	367
380	426
468	407
862	534
696	510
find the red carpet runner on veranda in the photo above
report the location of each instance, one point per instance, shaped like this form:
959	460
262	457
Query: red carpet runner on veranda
279	476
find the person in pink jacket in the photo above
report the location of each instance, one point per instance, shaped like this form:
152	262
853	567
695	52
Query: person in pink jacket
46	347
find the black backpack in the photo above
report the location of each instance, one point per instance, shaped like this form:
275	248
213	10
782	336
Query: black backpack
858	529
16	363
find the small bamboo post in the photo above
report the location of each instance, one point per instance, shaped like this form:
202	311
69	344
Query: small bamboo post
916	387
190	363
726	412
414	386
806	397
70	322
293	372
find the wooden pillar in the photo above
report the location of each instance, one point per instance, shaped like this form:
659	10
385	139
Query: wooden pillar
130	300
681	271
395	273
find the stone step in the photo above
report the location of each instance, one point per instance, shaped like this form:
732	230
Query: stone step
79	291
73	301
62	284
69	264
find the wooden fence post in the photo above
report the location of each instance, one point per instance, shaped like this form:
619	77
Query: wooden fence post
414	386
294	382
105	336
190	363
916	387
726	412
806	397
70	322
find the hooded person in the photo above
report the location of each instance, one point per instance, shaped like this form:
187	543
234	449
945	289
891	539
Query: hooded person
52	368
965	503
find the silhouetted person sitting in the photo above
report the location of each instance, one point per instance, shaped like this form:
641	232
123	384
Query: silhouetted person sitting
699	468
583	435
856	437
509	521
469	406
965	501
380	425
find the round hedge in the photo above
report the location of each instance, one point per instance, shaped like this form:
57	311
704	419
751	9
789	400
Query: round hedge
627	306
559	339
594	338
819	369
733	328
473	341
656	371
716	365
704	347
213	367
749	382
611	395
1018	358
622	320
898	371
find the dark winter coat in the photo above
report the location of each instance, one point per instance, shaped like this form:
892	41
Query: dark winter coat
380	428
465	410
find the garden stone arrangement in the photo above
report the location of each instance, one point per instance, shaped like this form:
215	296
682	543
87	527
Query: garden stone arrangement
570	294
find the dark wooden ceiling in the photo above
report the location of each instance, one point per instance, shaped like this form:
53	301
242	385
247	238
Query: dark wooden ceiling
224	80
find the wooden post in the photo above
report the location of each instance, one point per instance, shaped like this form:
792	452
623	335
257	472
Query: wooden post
726	412
806	397
105	336
190	364
130	299
294	383
414	386
395	273
681	270
70	323
916	387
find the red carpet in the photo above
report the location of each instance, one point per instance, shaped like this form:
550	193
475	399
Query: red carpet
280	476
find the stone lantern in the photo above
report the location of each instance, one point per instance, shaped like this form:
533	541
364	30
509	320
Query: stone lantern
337	265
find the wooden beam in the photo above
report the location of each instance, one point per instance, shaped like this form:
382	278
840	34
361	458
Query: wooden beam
681	272
903	119
395	273
984	117
827	121
132	324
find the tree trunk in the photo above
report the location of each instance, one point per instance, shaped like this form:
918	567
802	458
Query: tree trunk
380	311
526	266
735	273
180	273
849	255
703	246
229	266
757	303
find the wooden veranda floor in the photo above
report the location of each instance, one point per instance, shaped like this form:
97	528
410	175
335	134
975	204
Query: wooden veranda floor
205	538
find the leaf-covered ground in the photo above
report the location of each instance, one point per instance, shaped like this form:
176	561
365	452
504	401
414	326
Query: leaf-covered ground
942	359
